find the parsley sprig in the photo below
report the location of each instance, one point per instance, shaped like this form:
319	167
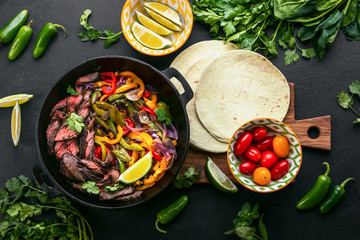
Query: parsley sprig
346	101
189	178
91	33
21	201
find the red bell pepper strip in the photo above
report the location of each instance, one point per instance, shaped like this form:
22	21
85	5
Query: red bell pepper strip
111	75
146	94
156	156
129	122
146	109
125	130
108	76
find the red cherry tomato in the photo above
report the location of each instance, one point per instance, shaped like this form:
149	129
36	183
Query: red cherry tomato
280	169
281	146
252	153
259	134
268	159
243	142
265	144
247	167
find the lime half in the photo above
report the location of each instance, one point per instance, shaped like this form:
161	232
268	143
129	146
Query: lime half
218	178
16	124
11	100
138	170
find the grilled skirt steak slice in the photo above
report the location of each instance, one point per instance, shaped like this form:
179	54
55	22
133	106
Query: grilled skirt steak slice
72	146
60	149
74	101
82	143
90	146
62	105
92	77
65	134
130	196
71	163
51	132
108	196
92	166
84	108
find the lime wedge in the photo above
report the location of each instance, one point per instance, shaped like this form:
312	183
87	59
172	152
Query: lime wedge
148	38
165	11
163	21
138	170
218	178
152	25
16	124
11	100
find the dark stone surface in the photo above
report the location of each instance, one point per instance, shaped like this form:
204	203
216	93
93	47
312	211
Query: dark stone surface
209	213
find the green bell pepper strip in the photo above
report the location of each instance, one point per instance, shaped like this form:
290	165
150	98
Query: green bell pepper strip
9	31
112	127
169	213
46	34
115	97
122	154
21	40
117	117
128	105
99	133
121	165
101	122
103	149
154	127
95	96
97	110
317	192
334	197
104	105
133	146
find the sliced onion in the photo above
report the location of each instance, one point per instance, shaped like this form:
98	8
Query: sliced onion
163	128
152	118
169	145
171	161
136	120
89	86
144	117
134	129
136	140
163	150
155	136
151	89
171	132
132	95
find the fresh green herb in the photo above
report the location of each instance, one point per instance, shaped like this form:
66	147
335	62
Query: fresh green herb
243	225
91	33
189	178
346	101
162	116
21	201
74	122
91	187
72	91
112	189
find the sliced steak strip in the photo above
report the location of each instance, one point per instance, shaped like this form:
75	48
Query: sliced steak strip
78	186
84	108
71	163
72	146
94	167
65	133
90	146
130	196
108	196
60	149
62	105
92	77
74	101
51	132
82	143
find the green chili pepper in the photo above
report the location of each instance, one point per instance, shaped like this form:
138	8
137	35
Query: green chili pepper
336	194
103	149
112	127
21	40
133	146
97	110
169	213
317	192
122	166
115	97
121	154
9	31
43	39
104	105
117	117
95	96
101	122
154	127
128	104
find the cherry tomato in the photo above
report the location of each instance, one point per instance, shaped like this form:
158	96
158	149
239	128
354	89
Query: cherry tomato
243	142
281	146
280	169
252	153
268	159
247	167
262	176
265	144
259	134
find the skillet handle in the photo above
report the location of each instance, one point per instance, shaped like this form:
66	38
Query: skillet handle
188	94
39	175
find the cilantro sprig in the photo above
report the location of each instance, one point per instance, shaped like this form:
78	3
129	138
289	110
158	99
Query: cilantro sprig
21	202
243	225
346	101
72	91
92	34
74	122
90	187
189	178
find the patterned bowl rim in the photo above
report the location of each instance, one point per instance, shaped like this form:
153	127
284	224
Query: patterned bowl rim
163	53
228	159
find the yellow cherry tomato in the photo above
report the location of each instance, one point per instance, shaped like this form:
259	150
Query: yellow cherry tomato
281	146
262	176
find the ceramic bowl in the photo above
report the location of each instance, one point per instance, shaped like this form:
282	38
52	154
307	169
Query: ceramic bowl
128	17
274	128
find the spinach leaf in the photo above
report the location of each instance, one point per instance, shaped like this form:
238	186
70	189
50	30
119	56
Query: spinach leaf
352	31
351	12
285	9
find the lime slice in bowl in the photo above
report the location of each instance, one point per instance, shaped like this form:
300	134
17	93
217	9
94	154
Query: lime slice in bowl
163	21
218	178
16	124
152	25
138	170
164	11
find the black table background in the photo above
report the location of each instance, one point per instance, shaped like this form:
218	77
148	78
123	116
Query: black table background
209	212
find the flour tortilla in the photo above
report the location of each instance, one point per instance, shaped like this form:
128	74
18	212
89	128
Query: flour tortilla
187	58
239	86
200	138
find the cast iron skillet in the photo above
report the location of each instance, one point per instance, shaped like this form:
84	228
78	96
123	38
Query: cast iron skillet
148	74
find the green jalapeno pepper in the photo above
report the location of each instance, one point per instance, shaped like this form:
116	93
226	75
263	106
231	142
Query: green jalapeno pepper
334	197
98	110
112	127
121	166
95	96
317	192
21	40
117	117
44	37
169	213
9	31
122	154
104	105
133	146
128	105
115	97
101	122
103	149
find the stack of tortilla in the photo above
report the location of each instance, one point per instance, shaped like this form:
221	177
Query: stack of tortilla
231	87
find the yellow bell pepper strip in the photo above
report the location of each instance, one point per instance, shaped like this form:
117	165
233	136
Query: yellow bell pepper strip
132	146
144	137
112	141
135	79
125	87
134	157
153	98
101	84
103	97
147	138
134	135
145	186
160	176
150	104
174	142
149	180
